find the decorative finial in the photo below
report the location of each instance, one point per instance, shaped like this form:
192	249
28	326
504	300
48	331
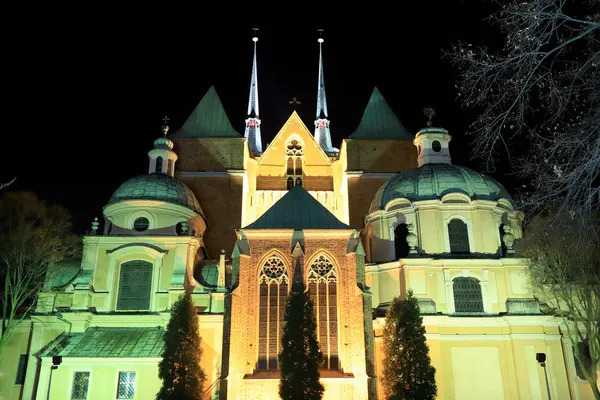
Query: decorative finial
165	127
429	113
320	39
255	37
95	226
294	101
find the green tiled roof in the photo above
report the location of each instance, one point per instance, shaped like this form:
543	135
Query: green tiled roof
208	120
433	181
63	273
102	342
297	209
157	186
207	274
379	121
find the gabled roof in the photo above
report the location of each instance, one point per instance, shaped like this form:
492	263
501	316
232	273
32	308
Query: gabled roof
208	120
293	126
379	121
297	209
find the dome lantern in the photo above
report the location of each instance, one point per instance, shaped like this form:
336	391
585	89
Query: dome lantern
433	144
162	157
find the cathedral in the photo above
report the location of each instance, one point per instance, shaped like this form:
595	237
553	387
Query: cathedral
235	222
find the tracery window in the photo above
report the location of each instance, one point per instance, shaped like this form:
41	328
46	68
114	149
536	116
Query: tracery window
295	157
323	288
273	290
467	295
458	235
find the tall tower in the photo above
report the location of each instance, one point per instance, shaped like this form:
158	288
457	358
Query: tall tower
322	134
252	131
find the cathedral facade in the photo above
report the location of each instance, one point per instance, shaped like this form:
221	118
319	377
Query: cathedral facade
361	224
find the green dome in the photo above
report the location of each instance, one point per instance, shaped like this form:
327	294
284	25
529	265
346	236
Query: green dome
157	186
433	181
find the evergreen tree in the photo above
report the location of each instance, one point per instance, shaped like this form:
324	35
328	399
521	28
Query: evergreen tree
407	370
300	358
180	370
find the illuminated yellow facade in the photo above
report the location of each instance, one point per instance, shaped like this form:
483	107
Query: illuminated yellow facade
385	213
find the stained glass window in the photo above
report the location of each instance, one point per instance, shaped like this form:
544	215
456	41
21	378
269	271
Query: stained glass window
273	290
322	285
459	236
467	295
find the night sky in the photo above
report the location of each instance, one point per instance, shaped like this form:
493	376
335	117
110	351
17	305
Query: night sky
93	100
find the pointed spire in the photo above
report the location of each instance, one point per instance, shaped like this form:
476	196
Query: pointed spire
252	131
322	133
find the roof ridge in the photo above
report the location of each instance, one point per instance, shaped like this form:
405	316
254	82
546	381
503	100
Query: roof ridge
208	120
297	209
379	121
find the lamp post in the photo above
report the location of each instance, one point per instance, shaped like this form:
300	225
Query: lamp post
56	360
541	358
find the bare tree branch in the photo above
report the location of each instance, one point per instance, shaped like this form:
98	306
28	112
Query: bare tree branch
563	253
3	185
35	238
538	98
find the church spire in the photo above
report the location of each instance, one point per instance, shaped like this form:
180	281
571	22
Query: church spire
322	134
252	132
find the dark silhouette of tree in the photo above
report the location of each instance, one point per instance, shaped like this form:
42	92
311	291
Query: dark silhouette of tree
182	376
300	358
35	239
407	370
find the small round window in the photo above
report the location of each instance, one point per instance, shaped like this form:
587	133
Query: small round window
141	224
436	146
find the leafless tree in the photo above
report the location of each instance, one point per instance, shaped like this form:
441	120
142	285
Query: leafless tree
7	184
564	270
34	239
538	99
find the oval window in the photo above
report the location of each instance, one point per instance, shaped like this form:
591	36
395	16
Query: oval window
141	224
436	146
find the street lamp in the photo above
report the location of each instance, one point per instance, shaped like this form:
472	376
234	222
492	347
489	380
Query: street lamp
541	358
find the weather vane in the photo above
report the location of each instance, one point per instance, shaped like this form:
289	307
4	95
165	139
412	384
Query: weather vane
165	127
429	113
294	101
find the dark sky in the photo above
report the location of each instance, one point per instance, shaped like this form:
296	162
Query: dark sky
90	101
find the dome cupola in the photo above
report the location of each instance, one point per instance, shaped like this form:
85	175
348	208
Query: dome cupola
162	157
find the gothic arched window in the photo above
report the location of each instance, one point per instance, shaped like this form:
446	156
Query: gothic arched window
323	288
467	295
294	155
290	183
458	235
159	163
273	290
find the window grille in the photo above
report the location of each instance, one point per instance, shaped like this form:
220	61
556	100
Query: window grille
273	290
126	388
322	285
467	295
135	284
458	235
81	381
